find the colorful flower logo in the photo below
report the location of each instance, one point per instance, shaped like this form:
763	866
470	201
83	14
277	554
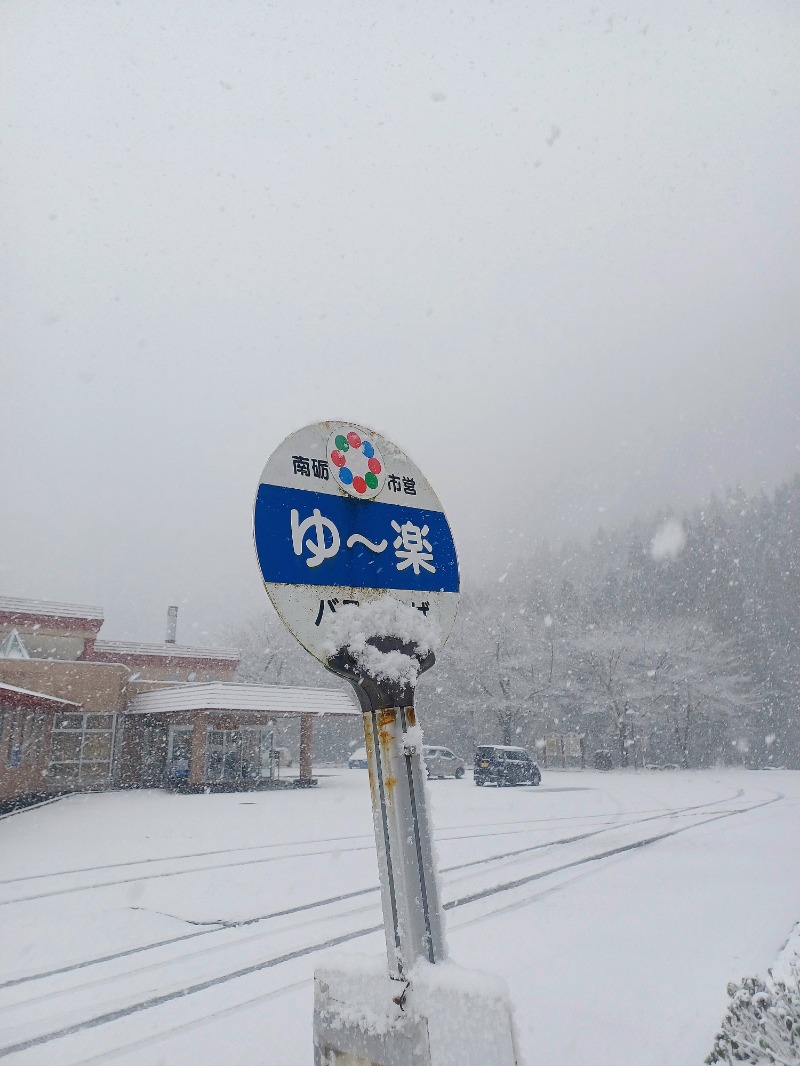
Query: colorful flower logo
356	464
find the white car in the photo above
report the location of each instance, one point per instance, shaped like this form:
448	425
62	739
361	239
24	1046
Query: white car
358	760
441	762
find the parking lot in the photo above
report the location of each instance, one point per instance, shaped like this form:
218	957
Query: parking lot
143	927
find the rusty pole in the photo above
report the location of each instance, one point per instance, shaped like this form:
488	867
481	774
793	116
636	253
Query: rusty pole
413	922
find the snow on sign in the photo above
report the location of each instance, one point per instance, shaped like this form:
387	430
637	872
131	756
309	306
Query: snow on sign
343	516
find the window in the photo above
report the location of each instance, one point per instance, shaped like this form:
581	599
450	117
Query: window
99	721
97	747
237	754
81	748
25	736
66	747
179	753
17	720
69	721
34	737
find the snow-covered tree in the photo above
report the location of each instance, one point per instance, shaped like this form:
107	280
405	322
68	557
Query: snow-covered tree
270	655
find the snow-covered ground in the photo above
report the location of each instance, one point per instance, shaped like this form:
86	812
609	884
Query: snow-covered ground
143	928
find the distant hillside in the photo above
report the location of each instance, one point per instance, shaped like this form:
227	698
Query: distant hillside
674	640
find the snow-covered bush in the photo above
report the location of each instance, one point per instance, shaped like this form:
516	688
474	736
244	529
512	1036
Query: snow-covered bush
762	1024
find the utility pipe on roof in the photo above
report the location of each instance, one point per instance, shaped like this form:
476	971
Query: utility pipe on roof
172	624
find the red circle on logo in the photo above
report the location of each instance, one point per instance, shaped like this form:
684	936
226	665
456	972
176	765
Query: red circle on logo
374	466
338	458
359	484
353	439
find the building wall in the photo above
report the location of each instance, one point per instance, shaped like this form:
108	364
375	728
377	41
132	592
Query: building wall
144	748
96	686
63	748
23	732
179	668
45	748
98	689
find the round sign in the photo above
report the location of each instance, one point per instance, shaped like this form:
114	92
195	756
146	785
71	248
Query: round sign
343	516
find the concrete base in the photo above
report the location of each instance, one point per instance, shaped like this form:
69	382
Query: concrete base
443	1016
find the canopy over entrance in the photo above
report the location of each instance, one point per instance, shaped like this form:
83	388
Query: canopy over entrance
218	735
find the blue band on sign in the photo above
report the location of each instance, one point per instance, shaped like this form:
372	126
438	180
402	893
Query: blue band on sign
316	538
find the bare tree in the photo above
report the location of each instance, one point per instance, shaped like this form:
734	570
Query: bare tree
504	660
610	671
699	679
678	678
269	655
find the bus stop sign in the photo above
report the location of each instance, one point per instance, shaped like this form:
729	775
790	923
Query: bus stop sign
343	516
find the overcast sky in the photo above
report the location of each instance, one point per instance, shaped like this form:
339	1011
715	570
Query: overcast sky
551	249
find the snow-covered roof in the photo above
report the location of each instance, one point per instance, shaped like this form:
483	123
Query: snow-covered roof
104	648
228	696
14	691
49	609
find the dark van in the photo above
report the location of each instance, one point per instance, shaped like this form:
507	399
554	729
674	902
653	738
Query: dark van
496	764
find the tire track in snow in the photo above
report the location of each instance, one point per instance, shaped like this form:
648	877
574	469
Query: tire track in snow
461	901
186	871
221	926
490	826
195	1023
159	1037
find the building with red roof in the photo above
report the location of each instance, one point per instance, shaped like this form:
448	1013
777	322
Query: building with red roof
78	713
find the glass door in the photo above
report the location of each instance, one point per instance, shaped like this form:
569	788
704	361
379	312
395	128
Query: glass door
179	756
232	756
236	755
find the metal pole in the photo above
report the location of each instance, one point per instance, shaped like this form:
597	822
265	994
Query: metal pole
383	843
423	847
412	911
